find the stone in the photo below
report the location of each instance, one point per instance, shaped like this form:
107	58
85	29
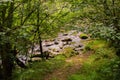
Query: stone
48	44
36	59
79	46
67	40
65	34
55	46
78	49
83	36
56	43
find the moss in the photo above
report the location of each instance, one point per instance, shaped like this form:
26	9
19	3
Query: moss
69	52
96	44
83	36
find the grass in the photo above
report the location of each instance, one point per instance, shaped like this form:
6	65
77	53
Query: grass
68	52
95	44
38	70
101	65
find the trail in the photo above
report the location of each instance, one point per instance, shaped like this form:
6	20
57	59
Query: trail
72	65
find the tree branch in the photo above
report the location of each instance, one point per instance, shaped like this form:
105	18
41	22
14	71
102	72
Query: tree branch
27	16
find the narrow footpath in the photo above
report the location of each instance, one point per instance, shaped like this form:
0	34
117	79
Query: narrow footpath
72	65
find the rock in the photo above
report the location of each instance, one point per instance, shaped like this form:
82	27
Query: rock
66	46
78	49
38	50
36	59
79	46
22	58
65	34
55	46
47	44
61	47
83	36
45	49
46	55
67	40
56	43
36	47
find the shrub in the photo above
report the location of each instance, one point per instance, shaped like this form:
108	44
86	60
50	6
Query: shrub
107	33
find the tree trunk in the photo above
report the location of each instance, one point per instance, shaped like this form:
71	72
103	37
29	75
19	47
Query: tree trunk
7	56
41	49
7	61
39	34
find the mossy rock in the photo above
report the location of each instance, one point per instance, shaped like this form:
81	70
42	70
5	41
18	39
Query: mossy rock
83	36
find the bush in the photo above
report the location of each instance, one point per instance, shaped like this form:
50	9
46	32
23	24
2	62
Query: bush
107	33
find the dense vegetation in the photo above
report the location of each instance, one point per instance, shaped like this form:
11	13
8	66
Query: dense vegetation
24	23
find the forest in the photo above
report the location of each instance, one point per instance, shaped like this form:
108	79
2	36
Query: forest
59	39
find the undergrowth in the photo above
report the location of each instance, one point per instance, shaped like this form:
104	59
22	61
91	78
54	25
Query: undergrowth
37	70
69	52
103	64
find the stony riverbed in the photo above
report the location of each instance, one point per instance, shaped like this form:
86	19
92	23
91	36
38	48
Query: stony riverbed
55	46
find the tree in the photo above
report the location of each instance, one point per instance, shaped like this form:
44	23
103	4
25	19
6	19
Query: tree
102	14
23	21
5	51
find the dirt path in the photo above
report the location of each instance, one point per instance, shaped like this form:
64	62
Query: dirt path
72	65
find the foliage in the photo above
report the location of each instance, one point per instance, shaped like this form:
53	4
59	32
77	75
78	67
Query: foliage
103	32
24	25
38	70
100	16
100	70
105	53
102	65
25	22
95	44
107	33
